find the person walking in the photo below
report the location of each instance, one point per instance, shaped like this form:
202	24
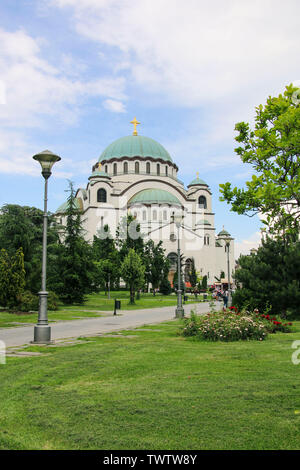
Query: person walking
225	299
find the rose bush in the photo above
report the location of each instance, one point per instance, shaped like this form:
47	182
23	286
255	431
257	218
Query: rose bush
224	326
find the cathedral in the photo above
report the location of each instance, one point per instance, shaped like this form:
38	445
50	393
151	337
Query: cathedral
136	175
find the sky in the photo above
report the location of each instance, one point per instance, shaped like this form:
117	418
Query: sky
74	73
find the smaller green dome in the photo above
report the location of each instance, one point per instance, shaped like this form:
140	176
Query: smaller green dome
100	174
63	208
154	196
203	222
224	233
197	181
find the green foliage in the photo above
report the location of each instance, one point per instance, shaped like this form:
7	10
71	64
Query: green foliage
224	326
22	227
129	236
75	271
133	271
204	282
165	287
270	277
156	264
28	302
12	277
193	278
52	301
273	150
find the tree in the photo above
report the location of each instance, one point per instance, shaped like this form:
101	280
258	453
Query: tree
106	257
193	275
12	278
271	277
22	227
75	271
129	236
108	272
273	150
165	286
155	263
133	271
204	282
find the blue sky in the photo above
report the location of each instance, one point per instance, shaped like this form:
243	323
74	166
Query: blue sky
74	73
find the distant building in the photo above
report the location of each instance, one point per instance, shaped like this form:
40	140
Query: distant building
135	174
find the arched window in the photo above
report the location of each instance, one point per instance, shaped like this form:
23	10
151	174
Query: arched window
166	171
154	215
135	215
158	168
206	239
115	168
101	195
172	257
137	167
165	215
188	269
125	168
144	215
105	169
202	202
148	168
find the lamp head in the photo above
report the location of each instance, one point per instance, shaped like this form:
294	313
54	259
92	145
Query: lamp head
46	160
228	240
177	218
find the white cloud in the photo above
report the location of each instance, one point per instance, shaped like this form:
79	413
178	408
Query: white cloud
243	247
36	90
36	94
114	106
197	52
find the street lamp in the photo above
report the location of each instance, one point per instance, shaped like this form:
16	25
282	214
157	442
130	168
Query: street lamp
227	245
179	313
42	331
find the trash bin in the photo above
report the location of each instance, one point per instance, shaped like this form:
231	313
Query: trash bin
185	298
204	296
117	306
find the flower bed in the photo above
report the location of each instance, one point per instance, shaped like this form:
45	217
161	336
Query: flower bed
273	323
224	326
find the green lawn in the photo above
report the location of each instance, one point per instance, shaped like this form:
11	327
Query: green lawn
153	390
94	305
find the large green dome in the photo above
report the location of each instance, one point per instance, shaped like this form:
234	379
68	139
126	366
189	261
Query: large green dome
154	196
135	146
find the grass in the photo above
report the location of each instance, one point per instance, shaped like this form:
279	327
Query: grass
152	390
96	305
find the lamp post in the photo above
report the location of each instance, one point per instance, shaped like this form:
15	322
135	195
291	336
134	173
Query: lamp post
42	331
227	244
179	313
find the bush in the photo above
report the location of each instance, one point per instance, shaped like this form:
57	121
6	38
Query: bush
28	302
273	323
165	287
224	326
52	301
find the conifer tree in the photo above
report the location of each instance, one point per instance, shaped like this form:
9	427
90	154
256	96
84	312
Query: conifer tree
75	272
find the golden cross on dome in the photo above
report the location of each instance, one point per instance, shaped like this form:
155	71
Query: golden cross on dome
135	122
197	174
99	166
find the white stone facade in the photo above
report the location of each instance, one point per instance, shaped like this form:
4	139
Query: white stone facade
124	178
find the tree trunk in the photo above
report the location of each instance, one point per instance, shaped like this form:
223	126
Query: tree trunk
132	295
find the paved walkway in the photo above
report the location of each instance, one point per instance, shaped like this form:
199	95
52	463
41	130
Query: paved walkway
72	329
